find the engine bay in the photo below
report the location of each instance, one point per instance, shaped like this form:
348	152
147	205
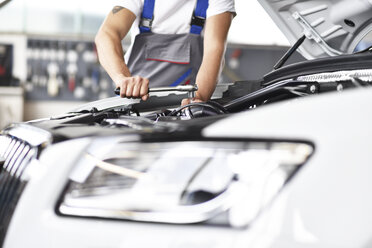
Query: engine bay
163	114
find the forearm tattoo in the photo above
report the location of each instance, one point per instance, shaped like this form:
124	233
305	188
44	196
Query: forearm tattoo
116	9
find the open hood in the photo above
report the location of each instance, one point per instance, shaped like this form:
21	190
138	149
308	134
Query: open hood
331	27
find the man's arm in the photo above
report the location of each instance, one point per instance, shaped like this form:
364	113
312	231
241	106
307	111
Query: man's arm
108	41
215	35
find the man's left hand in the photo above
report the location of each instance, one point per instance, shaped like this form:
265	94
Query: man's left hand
190	100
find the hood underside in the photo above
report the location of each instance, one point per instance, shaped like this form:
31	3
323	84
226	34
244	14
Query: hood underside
332	27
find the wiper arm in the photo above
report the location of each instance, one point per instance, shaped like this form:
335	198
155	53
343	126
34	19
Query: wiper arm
289	53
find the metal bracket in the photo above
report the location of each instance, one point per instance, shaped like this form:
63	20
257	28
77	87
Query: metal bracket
312	34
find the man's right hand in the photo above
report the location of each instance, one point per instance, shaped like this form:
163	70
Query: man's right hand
133	87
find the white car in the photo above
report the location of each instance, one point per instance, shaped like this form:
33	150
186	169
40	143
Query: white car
284	162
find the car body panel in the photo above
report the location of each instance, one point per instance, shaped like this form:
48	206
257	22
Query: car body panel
327	198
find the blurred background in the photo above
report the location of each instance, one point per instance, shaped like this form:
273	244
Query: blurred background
48	61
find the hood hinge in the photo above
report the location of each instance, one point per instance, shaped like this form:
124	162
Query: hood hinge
312	34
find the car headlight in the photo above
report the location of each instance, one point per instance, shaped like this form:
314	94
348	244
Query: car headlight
180	182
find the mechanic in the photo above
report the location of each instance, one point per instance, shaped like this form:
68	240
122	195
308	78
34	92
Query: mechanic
169	46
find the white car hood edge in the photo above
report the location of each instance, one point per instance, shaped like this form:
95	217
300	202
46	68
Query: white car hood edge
311	118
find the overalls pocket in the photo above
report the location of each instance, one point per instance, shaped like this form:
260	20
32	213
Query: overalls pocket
166	59
168	62
176	53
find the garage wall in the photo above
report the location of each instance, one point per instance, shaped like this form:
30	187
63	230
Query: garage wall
19	42
11	105
45	109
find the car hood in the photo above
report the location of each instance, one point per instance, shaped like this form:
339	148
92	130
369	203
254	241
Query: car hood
332	27
316	118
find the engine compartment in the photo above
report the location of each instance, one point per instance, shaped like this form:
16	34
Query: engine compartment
163	114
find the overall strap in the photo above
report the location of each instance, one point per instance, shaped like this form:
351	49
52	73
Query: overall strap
147	16
199	16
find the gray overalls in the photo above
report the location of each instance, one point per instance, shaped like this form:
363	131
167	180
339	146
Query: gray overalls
168	59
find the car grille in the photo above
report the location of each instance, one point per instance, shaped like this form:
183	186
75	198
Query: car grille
15	155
